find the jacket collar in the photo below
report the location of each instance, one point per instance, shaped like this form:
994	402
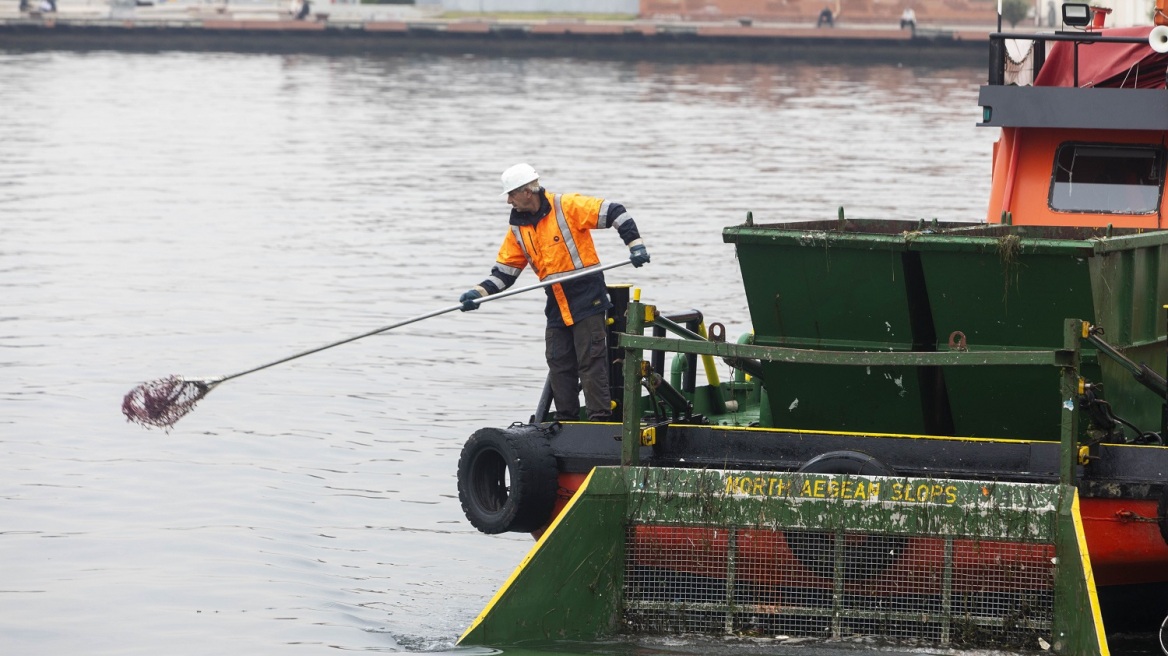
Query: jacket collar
531	218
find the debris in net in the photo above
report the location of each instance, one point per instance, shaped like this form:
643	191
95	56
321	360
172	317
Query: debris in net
161	403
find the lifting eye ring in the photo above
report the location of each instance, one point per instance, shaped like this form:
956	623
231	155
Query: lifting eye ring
957	341
717	332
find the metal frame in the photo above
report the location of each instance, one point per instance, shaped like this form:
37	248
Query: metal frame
634	342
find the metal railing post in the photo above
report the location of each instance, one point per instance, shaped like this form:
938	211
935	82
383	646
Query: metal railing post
1073	332
631	411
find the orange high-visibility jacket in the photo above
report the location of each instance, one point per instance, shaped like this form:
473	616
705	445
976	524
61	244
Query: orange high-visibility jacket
557	241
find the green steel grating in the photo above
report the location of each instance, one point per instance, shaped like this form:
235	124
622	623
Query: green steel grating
770	583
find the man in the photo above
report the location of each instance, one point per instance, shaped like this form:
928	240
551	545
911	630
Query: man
909	19
552	233
825	18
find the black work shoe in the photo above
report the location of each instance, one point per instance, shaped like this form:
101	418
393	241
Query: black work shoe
566	416
600	416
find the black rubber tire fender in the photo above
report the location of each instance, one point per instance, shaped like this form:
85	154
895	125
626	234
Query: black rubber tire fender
1162	517
507	479
814	549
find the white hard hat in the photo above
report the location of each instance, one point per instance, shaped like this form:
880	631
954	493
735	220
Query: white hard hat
517	176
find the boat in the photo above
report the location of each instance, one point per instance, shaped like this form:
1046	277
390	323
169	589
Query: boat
951	434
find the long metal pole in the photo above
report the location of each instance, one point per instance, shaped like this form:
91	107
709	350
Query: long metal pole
421	317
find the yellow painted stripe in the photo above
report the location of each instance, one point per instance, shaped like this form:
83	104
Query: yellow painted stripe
1089	575
805	431
708	360
526	559
947	438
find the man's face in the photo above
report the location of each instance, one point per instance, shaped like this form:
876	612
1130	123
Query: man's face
523	200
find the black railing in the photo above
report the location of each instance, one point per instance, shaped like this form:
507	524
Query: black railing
998	57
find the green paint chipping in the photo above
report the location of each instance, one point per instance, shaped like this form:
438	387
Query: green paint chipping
901	506
947	563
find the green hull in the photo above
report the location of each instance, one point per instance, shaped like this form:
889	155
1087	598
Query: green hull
769	554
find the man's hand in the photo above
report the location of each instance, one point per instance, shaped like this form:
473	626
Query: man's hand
468	299
639	256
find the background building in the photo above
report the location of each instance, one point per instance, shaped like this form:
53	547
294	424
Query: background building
938	13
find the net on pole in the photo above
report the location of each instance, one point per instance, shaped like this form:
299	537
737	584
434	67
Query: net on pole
161	403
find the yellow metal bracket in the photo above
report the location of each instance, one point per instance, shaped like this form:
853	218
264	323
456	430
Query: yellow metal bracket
1084	455
649	436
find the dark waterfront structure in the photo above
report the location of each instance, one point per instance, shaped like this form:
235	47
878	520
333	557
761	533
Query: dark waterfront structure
640	40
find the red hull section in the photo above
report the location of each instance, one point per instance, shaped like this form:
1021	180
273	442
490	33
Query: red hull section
765	558
1125	541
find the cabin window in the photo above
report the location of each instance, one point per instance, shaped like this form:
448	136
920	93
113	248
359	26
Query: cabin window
1108	179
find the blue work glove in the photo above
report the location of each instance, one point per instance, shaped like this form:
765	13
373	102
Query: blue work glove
639	256
468	300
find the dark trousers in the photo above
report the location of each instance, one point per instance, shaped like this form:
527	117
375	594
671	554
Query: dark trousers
578	355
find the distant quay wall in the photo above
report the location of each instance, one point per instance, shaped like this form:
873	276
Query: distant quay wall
613	40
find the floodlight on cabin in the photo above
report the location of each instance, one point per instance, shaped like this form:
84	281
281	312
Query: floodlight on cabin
1076	14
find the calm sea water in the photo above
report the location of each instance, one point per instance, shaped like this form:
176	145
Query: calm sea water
201	214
